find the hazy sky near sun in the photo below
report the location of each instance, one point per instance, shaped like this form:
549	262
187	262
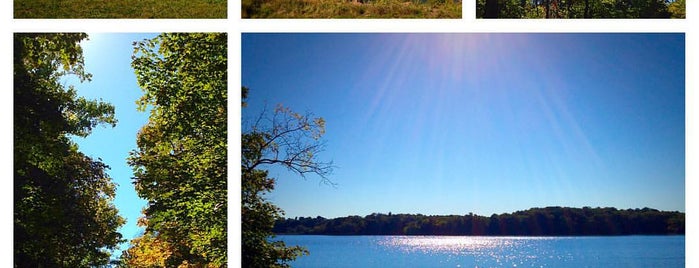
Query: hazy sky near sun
482	123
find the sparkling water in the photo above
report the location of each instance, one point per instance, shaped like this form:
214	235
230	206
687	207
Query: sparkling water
481	251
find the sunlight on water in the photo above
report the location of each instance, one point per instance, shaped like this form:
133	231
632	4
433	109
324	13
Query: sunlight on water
428	244
454	244
508	251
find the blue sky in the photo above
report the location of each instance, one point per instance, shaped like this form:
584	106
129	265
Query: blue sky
482	123
108	58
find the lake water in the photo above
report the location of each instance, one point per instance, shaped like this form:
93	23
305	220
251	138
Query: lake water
479	251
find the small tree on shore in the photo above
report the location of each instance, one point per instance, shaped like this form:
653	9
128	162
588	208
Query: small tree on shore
284	138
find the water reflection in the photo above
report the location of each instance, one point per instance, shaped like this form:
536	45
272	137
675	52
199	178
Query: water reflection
454	244
492	251
433	244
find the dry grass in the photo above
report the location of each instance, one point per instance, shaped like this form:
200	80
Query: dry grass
350	9
120	9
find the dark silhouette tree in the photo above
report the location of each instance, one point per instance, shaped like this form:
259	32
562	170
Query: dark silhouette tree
63	210
491	9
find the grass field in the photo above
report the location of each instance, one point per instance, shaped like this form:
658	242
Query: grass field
120	9
350	9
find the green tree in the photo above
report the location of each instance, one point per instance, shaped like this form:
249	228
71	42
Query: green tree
284	138
63	211
180	166
677	9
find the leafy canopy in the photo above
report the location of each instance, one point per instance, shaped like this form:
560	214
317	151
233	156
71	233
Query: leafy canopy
180	165
63	210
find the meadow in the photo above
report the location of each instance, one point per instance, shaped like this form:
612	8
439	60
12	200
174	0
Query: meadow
137	9
351	9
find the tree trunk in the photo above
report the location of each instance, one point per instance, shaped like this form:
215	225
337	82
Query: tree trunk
587	9
491	9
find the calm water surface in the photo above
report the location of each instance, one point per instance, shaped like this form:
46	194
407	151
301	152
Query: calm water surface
478	251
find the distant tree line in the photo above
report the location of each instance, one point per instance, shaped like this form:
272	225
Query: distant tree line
549	221
580	9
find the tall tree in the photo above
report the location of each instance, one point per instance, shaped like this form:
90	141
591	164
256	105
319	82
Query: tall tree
283	138
180	165
587	9
63	211
491	9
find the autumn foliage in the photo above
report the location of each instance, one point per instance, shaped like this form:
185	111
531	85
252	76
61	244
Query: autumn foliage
180	165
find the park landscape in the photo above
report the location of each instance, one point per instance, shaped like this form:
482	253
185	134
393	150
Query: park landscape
120	9
351	9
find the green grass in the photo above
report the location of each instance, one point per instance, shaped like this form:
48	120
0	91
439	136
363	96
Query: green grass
350	9
120	9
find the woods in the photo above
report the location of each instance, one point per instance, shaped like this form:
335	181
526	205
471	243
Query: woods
63	210
549	221
578	9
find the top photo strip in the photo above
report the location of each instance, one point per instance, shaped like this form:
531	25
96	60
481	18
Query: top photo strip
452	9
330	9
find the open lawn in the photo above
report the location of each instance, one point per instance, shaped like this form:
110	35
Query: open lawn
120	9
351	9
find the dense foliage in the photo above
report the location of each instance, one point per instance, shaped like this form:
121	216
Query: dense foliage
63	211
351	9
549	221
287	139
180	166
580	8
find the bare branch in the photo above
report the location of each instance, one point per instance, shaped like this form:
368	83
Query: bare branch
288	139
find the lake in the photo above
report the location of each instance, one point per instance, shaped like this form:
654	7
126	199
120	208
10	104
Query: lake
488	251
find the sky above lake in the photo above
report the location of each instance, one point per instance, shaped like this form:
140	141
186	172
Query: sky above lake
481	123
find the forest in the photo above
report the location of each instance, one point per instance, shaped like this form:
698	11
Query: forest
64	211
548	221
580	9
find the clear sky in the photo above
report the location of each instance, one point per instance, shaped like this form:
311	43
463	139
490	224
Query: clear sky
108	58
482	123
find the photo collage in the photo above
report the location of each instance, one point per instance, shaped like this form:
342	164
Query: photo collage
370	133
